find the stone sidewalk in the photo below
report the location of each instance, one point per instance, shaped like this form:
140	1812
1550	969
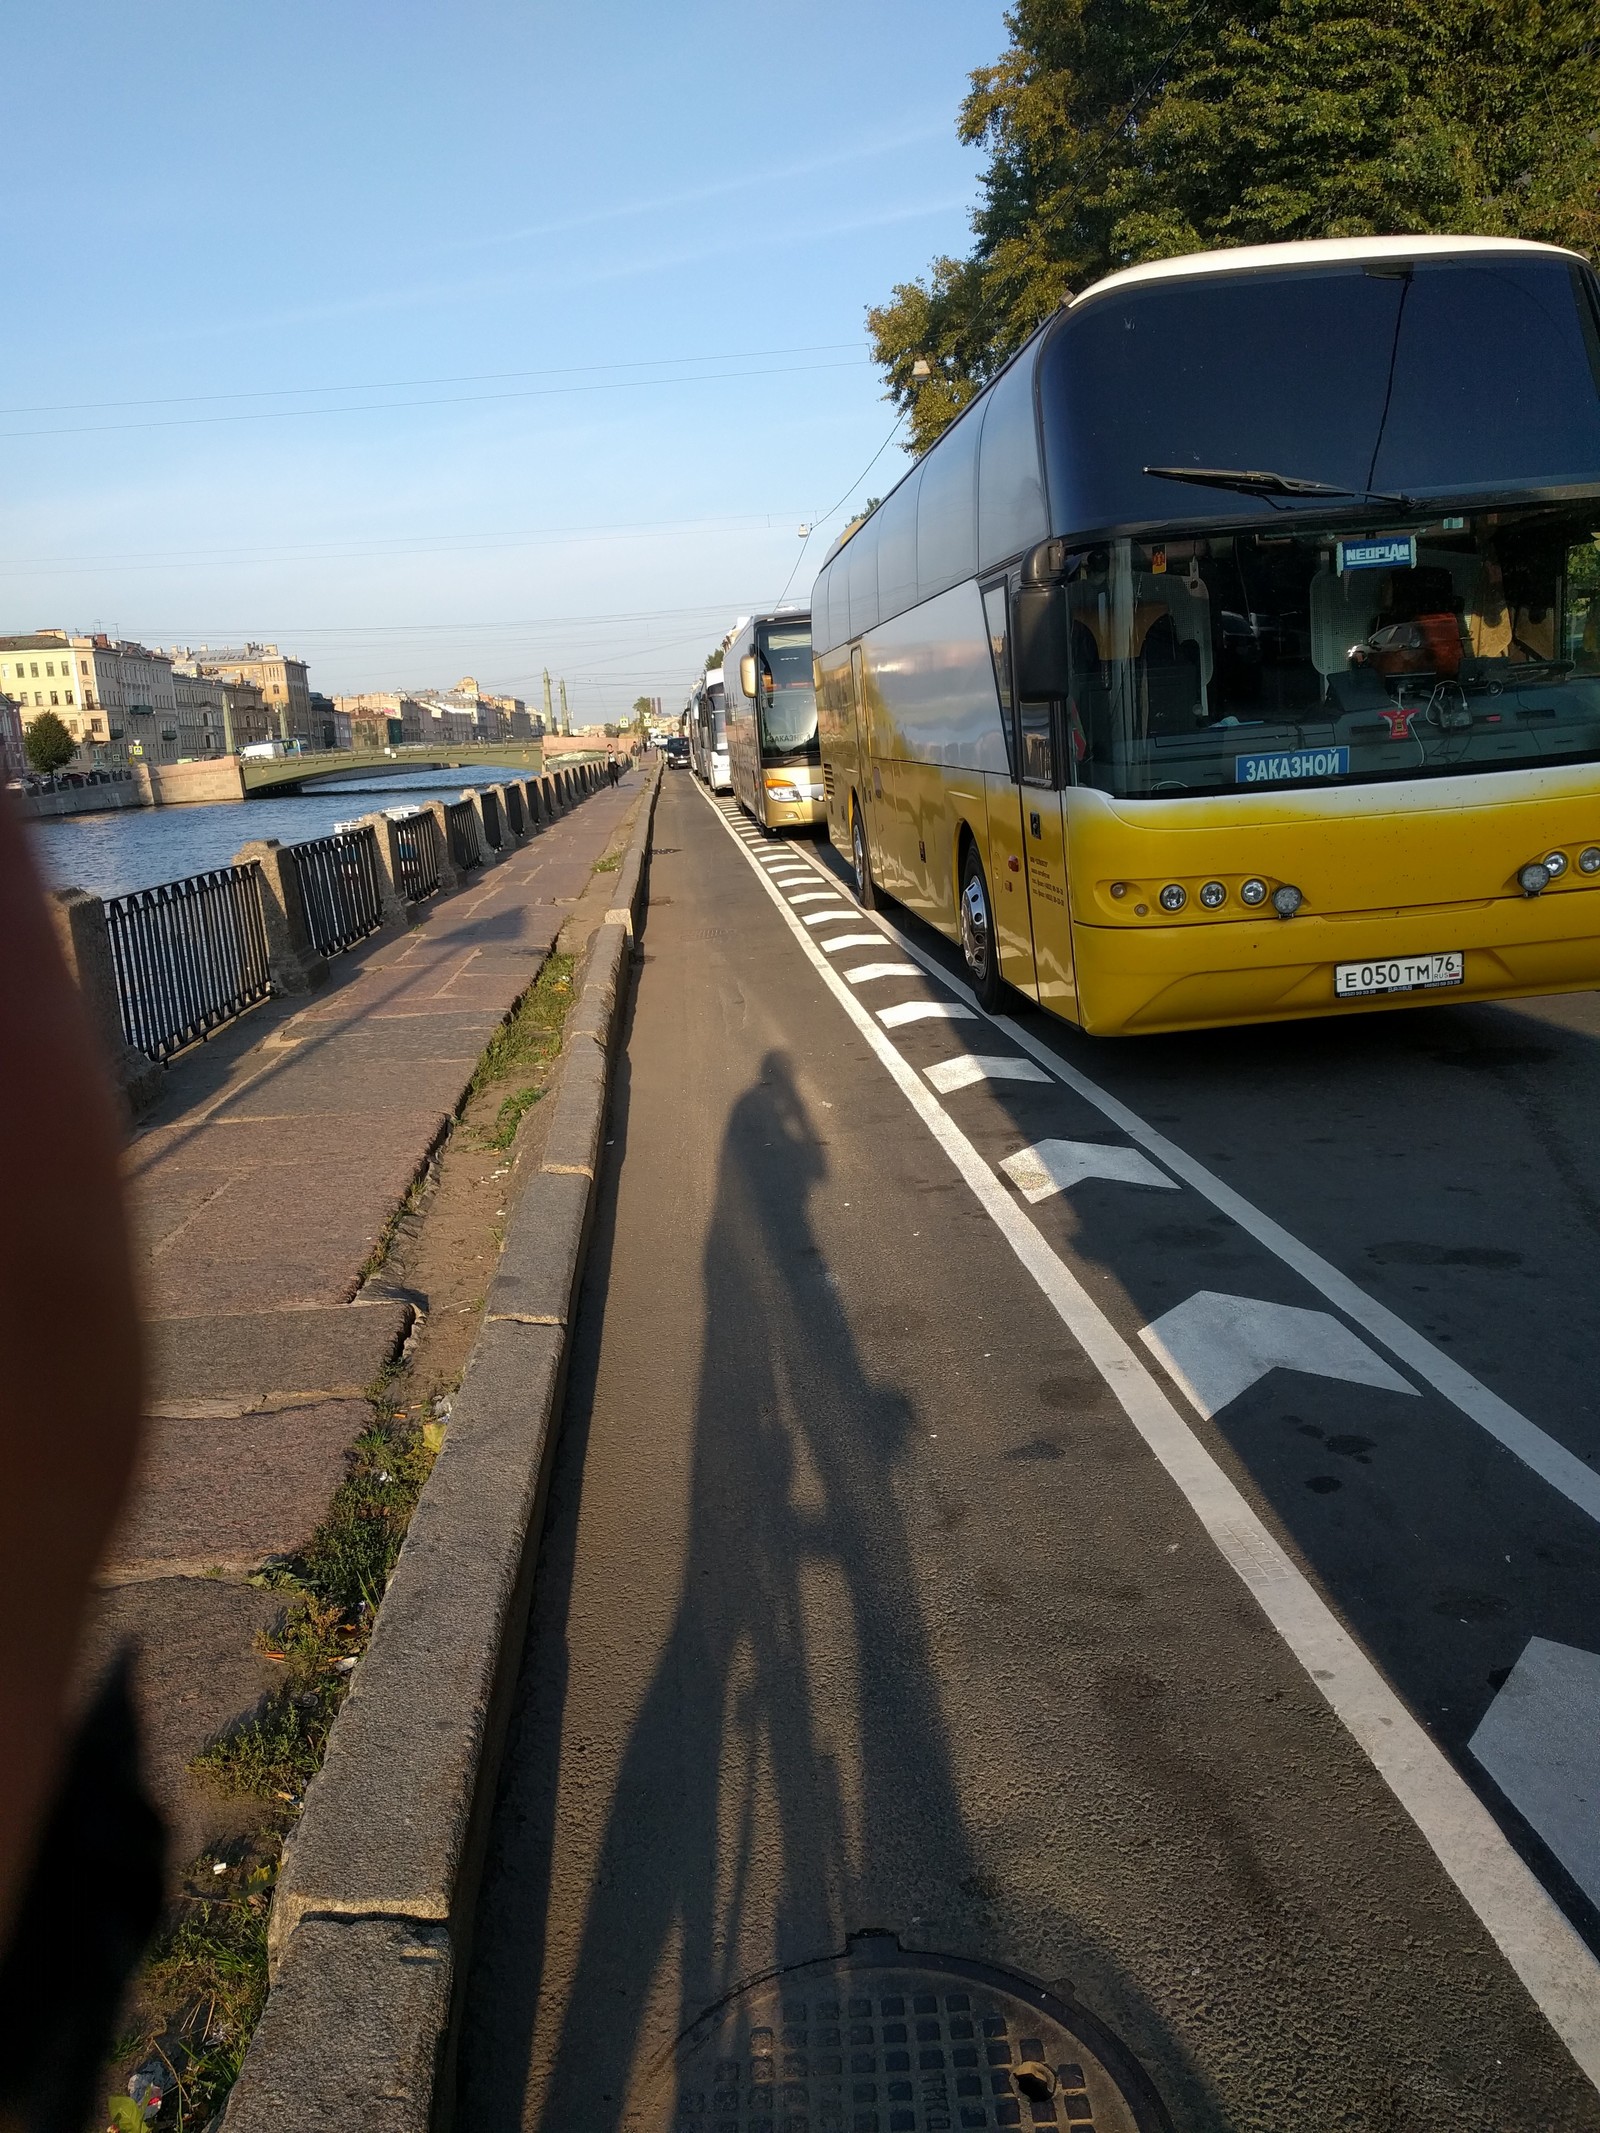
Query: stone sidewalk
262	1184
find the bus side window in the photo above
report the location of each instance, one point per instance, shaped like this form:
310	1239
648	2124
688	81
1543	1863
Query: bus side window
994	615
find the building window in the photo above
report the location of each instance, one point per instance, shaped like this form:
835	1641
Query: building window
83	666
38	694
69	696
33	668
49	666
54	698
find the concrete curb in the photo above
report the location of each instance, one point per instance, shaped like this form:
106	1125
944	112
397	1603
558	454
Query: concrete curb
371	1921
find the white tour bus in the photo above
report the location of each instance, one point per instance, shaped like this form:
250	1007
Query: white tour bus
708	731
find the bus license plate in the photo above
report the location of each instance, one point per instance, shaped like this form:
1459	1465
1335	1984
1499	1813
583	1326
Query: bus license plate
1397	973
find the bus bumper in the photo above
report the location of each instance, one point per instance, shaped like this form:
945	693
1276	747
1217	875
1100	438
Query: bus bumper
795	814
1137	978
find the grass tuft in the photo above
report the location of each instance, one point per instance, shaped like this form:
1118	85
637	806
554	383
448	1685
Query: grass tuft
205	1984
531	1035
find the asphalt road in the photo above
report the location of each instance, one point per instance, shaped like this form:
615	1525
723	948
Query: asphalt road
1166	1565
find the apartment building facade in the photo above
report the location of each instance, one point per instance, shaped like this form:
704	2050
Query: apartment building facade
114	696
280	678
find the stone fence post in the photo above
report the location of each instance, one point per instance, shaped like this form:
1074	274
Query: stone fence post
86	949
391	884
296	966
449	878
490	856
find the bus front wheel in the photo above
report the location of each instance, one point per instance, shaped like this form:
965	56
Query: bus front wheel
979	947
866	895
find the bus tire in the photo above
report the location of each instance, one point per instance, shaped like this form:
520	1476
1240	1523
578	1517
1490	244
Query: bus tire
980	950
860	859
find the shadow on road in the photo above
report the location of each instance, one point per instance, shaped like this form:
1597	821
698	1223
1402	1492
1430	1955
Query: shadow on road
789	1758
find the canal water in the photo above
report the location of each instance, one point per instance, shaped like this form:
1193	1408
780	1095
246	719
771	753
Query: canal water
112	853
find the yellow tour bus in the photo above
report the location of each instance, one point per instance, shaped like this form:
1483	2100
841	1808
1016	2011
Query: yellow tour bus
770	706
1236	654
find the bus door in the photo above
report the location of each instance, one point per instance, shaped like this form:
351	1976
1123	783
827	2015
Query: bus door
869	780
1042	773
1005	862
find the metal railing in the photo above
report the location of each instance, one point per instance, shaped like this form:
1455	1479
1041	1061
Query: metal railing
512	796
339	887
419	852
188	956
461	818
493	829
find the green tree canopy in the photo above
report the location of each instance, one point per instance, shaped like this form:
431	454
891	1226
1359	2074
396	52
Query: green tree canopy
1120	131
47	744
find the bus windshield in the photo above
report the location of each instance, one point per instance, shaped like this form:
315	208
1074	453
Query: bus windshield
1303	656
1445	378
786	700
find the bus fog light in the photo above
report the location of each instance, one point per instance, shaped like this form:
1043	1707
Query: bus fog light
1287	900
1555	864
1534	877
1214	893
1174	896
1589	859
1119	888
1253	892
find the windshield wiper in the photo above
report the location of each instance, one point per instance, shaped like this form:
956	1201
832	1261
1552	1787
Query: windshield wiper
1255	481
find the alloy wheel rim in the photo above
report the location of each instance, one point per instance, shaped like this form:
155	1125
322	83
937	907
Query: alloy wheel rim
975	927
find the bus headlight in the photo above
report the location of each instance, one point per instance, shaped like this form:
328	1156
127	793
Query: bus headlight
1287	900
1213	894
782	792
1533	878
1174	896
1589	859
1254	891
1555	864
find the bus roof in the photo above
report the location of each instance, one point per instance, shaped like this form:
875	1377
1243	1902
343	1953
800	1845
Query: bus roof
1321	251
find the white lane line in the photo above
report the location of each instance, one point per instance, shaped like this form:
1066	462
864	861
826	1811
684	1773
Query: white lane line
868	973
1551	1461
970	1067
906	1011
794	874
1215	1347
816	896
837	941
826	918
1530	1931
1056	1166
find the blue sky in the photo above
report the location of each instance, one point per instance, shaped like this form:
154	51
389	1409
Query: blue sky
434	339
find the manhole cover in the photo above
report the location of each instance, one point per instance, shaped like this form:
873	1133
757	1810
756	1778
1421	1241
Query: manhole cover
881	2040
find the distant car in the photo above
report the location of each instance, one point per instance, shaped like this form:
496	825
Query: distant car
677	752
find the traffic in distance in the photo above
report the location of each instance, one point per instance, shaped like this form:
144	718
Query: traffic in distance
1235	655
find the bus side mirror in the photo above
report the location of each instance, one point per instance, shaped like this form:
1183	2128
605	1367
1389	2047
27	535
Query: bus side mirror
747	674
1039	638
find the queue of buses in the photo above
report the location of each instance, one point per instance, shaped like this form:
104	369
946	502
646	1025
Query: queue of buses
1234	655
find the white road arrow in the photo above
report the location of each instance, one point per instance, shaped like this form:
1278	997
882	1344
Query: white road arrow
851	940
1540	1742
1053	1166
967	1068
924	1011
1217	1346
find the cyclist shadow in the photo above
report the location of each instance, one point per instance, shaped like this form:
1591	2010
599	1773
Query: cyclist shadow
787	1778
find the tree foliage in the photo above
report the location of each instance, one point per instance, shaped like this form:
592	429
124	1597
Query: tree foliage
1120	131
47	744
